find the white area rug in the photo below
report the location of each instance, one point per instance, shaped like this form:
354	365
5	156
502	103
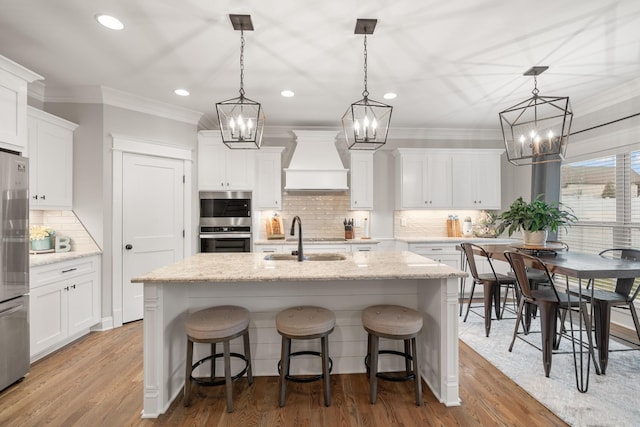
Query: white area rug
611	400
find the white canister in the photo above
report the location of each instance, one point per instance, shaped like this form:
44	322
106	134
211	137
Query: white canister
467	227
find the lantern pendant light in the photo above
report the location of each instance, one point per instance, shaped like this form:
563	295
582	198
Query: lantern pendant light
241	119
537	129
366	122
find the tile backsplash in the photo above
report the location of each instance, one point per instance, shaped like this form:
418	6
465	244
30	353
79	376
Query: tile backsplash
65	223
322	213
427	223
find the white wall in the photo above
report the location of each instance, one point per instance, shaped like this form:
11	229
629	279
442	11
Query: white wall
92	179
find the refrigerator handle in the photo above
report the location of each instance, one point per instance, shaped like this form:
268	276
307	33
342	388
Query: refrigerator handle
11	310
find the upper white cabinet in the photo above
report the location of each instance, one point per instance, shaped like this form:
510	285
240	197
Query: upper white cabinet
476	179
361	180
448	178
13	104
221	168
268	185
423	179
50	152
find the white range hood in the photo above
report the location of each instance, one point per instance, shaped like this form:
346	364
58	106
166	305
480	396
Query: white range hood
316	164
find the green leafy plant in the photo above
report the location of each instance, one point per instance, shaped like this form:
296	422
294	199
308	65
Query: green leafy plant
535	216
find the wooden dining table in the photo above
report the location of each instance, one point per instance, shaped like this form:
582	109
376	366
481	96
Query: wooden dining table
581	266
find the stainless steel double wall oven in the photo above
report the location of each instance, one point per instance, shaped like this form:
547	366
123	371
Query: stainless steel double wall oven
225	221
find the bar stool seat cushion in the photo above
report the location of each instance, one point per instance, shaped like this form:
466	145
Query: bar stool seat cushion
217	322
392	320
306	320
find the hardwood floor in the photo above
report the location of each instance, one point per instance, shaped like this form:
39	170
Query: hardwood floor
97	381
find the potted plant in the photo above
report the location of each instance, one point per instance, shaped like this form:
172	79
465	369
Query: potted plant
534	219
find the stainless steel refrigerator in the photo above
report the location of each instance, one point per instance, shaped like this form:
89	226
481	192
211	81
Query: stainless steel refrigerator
14	268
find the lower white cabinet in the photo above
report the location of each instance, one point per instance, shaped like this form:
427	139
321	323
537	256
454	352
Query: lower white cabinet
443	253
269	248
64	303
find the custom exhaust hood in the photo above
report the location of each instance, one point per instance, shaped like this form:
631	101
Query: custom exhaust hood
315	164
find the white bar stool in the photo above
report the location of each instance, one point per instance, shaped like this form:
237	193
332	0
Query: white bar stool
214	325
305	323
397	323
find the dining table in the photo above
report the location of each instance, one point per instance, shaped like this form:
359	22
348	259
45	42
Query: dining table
582	267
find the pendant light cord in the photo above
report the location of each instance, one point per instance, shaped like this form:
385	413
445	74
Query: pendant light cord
365	93
241	63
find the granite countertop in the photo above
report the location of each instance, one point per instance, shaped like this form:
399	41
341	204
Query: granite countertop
252	267
317	241
452	240
36	260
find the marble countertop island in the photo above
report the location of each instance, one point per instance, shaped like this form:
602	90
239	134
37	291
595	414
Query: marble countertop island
248	267
266	287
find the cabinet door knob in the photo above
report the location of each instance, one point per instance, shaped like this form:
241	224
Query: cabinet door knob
35	197
128	247
43	197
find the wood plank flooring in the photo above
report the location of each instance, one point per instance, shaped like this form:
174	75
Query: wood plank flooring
97	381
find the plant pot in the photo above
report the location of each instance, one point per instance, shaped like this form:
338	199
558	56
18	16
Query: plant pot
537	238
41	245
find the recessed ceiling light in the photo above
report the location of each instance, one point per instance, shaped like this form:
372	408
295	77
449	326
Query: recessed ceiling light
389	95
109	21
287	93
181	92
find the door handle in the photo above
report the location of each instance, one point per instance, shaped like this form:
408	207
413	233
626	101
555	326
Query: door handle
128	247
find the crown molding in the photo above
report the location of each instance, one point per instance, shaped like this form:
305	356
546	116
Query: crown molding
18	70
35	90
116	98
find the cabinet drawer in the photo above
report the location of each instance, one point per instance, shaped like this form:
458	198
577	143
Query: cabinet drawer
49	273
429	249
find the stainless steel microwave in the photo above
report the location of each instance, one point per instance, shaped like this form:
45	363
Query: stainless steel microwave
230	207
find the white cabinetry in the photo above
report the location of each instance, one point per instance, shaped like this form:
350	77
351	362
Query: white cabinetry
64	303
50	153
361	180
442	252
476	179
13	104
268	185
364	247
269	248
221	168
423	179
443	178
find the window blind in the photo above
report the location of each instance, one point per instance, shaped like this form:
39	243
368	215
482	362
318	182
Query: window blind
603	194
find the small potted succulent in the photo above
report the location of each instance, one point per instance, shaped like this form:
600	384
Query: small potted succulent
40	237
534	219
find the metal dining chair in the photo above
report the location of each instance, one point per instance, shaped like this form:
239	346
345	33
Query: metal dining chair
492	283
622	296
549	301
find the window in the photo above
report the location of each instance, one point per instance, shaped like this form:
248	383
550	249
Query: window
604	195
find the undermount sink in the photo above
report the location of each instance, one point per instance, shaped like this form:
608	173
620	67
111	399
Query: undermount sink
309	257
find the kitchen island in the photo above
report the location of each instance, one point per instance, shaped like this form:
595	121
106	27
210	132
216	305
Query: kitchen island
265	287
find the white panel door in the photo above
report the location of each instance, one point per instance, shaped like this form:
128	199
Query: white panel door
152	222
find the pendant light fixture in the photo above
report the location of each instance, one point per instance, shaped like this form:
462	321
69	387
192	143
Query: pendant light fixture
241	119
366	122
537	129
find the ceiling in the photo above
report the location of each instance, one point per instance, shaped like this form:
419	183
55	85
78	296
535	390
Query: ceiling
453	64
